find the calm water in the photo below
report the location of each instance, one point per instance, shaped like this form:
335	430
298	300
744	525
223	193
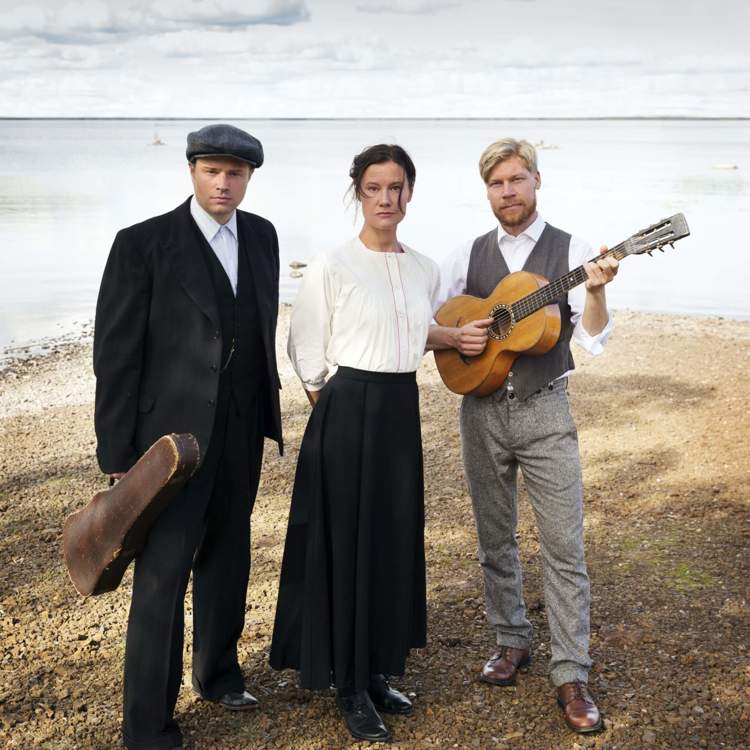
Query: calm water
67	186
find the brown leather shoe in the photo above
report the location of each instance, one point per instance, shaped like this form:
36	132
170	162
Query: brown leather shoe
577	703
503	665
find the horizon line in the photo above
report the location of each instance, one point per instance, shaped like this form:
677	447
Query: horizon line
138	118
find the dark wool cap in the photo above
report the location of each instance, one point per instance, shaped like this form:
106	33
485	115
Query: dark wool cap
224	140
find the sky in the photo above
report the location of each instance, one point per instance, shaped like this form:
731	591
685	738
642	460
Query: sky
358	58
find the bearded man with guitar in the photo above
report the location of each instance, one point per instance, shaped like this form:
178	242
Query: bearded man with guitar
522	419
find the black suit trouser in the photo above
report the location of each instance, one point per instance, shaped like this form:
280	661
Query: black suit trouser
205	529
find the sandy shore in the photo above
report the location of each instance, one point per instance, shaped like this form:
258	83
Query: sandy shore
664	422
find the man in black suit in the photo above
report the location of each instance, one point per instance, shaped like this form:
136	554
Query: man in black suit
185	342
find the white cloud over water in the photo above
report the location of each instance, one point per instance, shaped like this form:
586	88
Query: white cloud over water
428	58
97	21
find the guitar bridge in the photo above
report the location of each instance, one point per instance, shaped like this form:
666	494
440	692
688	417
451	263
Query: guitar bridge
504	322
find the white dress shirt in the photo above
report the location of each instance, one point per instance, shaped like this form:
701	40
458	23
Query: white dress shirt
362	308
221	237
515	252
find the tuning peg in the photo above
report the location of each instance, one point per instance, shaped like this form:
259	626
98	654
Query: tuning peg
650	253
671	244
661	249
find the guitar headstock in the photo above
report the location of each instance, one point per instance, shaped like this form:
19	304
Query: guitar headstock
664	232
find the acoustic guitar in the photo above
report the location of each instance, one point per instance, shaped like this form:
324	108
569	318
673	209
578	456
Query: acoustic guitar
527	316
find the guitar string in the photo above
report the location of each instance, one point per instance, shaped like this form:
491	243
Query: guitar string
541	297
549	293
656	236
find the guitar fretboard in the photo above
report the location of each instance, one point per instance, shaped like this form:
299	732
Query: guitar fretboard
553	291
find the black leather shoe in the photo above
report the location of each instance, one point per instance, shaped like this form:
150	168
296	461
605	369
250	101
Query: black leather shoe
362	720
386	699
233	701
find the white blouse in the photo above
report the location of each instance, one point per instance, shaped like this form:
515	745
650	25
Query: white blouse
362	308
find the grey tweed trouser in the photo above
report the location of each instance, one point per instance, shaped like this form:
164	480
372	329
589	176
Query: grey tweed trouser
499	434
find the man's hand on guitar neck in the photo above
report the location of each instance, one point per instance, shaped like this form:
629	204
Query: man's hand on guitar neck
601	272
595	313
469	339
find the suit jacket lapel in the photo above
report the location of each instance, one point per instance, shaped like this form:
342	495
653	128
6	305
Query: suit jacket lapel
189	263
249	244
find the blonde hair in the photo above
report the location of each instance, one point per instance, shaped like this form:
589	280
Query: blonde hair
506	148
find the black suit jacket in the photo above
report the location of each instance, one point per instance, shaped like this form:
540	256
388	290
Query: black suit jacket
157	336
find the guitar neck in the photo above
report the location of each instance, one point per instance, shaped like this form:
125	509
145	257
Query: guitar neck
555	290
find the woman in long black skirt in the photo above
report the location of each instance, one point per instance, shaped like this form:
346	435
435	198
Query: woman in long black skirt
352	591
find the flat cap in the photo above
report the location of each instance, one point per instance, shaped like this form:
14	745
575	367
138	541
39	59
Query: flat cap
224	140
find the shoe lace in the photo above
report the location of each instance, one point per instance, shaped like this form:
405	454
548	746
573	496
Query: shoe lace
581	691
501	654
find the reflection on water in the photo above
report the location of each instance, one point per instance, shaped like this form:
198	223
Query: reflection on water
721	182
66	187
42	206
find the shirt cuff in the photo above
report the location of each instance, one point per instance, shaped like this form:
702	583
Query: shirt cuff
592	344
315	385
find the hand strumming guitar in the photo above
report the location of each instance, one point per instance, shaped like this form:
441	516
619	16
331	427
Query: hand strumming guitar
469	339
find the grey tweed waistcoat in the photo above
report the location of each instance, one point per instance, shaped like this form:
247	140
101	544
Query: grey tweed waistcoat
549	258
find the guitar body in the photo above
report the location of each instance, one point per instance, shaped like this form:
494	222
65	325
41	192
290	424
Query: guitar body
534	326
535	334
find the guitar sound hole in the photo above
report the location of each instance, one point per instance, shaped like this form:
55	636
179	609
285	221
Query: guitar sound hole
503	323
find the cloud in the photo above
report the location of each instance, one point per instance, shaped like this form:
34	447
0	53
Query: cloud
98	21
439	58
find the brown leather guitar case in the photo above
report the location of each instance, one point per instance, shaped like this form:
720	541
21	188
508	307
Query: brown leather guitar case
100	540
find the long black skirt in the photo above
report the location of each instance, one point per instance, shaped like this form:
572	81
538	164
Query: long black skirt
352	596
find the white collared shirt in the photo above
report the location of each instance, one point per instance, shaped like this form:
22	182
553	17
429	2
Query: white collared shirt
362	308
221	237
515	252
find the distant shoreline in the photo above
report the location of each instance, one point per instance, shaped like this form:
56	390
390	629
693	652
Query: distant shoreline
607	118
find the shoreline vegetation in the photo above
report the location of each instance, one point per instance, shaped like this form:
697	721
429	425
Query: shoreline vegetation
663	418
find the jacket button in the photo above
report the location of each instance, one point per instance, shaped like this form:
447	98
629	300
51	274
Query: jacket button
216	334
212	366
211	402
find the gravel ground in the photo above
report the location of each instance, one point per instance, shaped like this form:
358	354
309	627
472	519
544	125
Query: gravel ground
664	424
